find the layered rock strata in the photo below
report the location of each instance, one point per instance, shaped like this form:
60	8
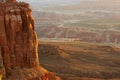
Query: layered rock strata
19	44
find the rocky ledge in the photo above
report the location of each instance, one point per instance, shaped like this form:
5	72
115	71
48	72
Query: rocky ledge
19	44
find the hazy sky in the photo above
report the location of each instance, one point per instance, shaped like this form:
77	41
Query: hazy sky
54	2
37	4
51	2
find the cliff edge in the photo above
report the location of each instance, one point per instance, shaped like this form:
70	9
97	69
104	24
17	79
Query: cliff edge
19	44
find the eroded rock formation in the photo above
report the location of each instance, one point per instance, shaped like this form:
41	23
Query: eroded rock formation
19	44
7	0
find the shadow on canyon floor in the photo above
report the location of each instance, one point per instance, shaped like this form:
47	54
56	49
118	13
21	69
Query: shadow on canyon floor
80	61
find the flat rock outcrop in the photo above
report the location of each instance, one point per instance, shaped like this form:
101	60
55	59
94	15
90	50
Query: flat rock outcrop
19	44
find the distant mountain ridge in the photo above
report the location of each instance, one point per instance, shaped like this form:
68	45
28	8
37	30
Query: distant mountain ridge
110	5
75	4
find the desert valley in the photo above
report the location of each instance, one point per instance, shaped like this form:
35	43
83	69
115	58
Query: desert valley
60	39
80	41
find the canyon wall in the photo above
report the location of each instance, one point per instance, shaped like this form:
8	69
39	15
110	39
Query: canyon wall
19	44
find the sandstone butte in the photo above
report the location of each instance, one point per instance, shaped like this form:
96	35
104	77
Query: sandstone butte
19	44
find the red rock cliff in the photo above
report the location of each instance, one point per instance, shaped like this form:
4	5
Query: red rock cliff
19	44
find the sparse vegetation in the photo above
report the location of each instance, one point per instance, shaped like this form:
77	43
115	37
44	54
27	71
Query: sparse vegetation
80	60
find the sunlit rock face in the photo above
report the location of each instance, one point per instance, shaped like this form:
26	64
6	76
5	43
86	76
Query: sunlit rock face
19	44
7	0
18	41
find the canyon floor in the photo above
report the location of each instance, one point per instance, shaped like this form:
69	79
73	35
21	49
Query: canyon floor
80	60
